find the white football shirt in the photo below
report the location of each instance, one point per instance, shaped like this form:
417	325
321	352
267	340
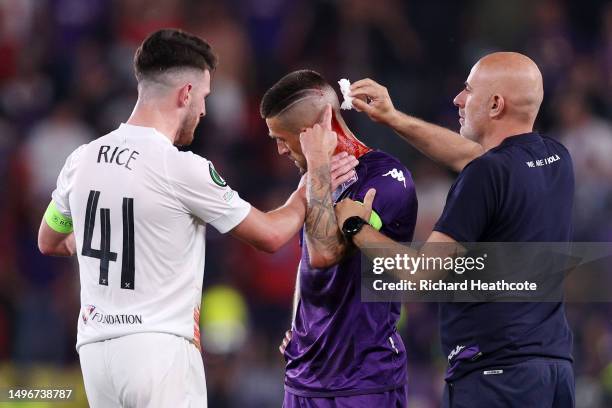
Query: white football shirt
139	207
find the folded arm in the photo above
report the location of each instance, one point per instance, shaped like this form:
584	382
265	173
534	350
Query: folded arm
326	245
325	242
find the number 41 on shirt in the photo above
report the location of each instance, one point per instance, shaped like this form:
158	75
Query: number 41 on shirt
104	254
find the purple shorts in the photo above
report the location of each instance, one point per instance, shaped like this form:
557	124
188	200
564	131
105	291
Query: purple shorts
397	398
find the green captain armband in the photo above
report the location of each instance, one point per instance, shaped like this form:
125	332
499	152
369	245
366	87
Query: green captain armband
57	221
375	221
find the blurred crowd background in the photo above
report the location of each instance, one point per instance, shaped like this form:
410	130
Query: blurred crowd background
66	78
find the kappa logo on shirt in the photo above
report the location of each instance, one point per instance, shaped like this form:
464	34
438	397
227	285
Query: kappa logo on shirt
398	175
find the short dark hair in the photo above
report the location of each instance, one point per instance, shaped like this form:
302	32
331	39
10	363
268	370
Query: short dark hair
289	89
172	48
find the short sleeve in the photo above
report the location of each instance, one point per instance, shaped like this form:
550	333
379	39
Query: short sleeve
204	193
471	203
65	182
395	193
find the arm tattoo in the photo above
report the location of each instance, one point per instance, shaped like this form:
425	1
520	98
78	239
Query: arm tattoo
321	225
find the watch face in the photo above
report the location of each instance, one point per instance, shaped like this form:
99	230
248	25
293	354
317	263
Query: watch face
352	225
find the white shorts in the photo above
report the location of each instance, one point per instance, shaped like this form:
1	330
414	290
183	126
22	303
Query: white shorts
143	370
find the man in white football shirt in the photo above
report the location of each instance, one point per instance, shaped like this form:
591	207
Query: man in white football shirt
139	208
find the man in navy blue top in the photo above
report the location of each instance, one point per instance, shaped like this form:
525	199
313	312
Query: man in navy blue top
514	185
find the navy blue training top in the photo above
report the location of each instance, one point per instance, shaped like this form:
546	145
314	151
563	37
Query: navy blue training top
519	191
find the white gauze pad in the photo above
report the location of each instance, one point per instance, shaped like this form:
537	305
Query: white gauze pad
345	88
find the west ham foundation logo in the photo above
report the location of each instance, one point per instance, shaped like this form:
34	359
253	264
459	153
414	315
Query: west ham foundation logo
87	313
93	314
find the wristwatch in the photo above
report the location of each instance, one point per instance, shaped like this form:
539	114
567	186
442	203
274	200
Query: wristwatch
352	226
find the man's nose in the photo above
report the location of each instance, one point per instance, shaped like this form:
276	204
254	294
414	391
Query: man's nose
282	148
458	101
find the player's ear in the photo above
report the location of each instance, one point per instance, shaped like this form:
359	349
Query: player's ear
496	106
184	95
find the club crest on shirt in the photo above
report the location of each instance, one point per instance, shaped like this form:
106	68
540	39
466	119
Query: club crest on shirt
343	187
216	178
397	174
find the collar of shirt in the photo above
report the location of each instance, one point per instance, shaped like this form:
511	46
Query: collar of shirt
520	139
144	129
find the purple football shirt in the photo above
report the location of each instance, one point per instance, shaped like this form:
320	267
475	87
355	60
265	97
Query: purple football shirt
341	346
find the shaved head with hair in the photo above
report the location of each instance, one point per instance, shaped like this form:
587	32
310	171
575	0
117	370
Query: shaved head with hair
308	108
168	49
502	95
298	99
296	102
173	71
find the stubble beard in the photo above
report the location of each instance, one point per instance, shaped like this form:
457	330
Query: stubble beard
187	129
